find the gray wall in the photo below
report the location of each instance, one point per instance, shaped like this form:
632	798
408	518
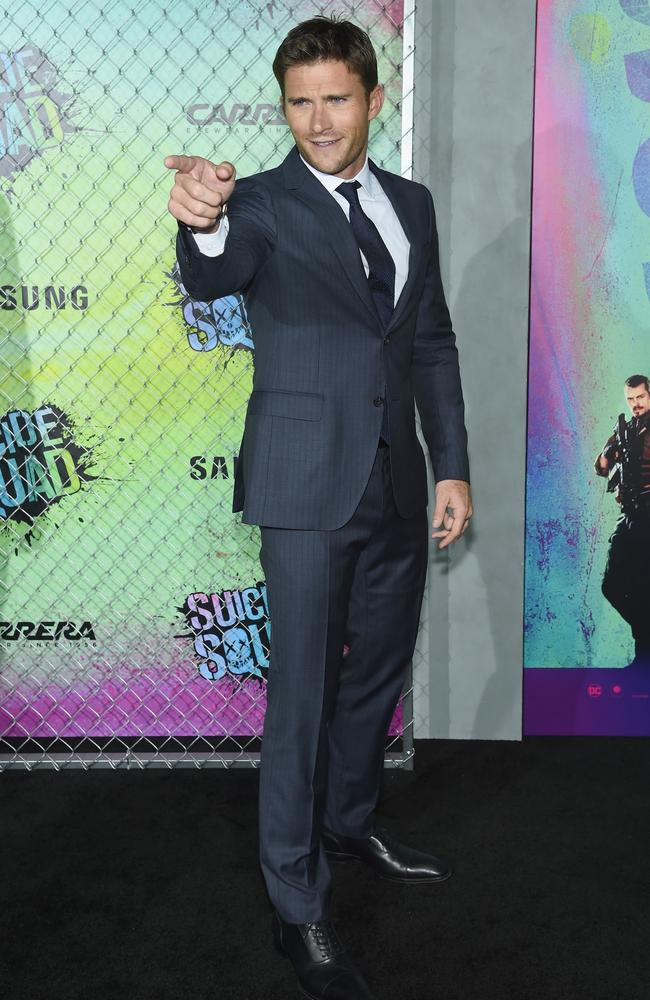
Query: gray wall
472	147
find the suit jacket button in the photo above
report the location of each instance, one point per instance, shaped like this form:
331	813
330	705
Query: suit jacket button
378	400
387	340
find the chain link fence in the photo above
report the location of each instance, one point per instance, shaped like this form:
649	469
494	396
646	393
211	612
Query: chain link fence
135	627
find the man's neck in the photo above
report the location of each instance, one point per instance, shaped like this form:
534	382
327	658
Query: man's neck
331	181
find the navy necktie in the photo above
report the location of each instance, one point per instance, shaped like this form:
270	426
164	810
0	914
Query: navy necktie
381	267
380	263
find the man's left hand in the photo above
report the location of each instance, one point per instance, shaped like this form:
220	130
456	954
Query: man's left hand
453	510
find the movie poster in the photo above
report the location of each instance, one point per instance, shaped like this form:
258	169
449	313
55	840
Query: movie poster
132	599
587	642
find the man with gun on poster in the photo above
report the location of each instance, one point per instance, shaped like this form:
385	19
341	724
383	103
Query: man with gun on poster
625	460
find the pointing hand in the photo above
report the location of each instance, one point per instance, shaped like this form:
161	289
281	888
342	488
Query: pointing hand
201	189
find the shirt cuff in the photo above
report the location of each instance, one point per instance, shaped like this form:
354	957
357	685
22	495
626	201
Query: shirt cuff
213	244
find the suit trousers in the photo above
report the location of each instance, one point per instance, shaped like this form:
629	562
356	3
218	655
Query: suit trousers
328	712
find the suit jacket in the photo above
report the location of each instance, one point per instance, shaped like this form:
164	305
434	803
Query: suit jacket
325	366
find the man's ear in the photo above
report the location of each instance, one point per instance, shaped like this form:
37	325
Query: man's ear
375	101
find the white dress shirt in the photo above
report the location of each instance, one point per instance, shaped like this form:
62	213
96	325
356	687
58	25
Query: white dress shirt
374	202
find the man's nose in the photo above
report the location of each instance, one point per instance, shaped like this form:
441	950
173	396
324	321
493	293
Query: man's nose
320	120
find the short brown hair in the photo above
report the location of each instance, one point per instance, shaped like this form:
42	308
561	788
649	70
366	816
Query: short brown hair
326	39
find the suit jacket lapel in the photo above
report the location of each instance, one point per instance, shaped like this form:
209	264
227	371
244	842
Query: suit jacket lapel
333	223
338	232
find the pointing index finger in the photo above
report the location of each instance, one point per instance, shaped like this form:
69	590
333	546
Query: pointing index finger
182	163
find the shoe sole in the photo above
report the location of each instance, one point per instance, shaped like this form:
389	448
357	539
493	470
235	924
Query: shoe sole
415	881
344	859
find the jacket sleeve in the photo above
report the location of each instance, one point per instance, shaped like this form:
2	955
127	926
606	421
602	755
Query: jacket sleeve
250	242
435	372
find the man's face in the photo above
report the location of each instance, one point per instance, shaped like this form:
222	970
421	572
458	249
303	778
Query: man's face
329	114
638	399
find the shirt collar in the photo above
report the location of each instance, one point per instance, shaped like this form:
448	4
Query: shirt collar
365	178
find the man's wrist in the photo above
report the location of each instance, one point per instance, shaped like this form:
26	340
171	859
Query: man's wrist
206	232
214	227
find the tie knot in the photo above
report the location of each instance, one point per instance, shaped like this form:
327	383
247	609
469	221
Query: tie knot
349	191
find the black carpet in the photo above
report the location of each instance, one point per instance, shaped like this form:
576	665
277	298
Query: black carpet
144	885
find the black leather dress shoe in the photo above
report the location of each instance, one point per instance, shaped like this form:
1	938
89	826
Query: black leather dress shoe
325	972
389	859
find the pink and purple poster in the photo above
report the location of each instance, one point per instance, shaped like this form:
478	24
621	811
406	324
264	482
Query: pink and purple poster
587	668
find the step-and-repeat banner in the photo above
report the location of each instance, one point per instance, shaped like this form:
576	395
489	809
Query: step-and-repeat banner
134	610
588	520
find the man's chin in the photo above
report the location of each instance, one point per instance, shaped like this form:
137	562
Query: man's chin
333	163
327	163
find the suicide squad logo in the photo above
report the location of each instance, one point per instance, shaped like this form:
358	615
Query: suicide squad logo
230	632
40	462
222	323
35	110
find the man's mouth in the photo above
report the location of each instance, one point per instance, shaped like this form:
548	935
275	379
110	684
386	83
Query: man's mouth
323	143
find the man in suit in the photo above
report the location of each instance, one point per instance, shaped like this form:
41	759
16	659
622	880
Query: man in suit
337	261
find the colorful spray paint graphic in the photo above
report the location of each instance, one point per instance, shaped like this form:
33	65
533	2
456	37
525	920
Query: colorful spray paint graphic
37	107
589	333
40	463
122	400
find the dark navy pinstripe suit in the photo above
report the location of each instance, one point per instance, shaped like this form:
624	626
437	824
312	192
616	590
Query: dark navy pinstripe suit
343	523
